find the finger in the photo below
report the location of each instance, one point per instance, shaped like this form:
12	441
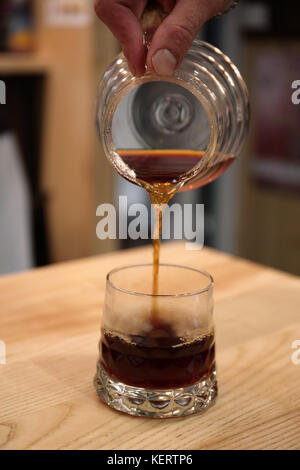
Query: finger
123	21
174	36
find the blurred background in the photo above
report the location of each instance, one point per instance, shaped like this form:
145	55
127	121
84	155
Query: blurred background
53	174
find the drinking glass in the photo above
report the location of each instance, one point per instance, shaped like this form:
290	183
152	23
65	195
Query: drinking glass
157	352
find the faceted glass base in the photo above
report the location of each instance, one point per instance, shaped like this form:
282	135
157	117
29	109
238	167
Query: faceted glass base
156	403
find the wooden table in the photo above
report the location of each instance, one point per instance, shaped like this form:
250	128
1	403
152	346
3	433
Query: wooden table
49	320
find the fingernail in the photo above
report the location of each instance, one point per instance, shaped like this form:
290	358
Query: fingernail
164	62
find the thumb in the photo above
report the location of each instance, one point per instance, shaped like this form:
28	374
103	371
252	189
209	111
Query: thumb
176	33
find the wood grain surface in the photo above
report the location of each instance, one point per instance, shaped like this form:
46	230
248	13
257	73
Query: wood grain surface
50	318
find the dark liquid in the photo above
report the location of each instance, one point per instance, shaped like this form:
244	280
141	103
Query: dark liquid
157	361
167	166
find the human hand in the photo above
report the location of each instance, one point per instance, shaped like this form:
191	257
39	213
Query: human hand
171	40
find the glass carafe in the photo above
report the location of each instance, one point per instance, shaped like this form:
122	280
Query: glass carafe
186	128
